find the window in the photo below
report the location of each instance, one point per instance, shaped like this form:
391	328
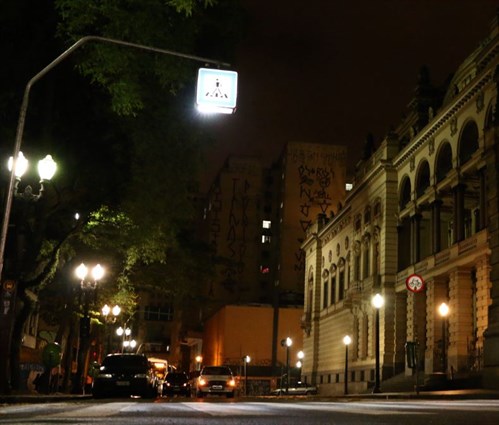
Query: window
264	269
341	284
265	239
325	294
367	215
266	224
333	290
162	313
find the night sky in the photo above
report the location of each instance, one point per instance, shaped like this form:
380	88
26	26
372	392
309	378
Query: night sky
331	71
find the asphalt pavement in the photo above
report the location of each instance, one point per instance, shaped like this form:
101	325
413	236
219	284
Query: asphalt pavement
464	394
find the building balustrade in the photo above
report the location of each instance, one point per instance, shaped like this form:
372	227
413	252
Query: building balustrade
475	242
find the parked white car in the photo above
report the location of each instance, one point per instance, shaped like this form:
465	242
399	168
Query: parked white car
298	388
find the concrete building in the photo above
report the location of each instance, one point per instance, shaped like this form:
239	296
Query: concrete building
256	218
424	204
236	331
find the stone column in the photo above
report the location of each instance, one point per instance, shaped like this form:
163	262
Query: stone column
401	326
483	201
458	212
482	303
416	321
460	315
415	238
435	226
436	293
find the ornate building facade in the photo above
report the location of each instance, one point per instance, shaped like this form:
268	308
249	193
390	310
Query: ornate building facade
423	203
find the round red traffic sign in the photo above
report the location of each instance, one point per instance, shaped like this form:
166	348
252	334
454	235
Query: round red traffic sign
414	283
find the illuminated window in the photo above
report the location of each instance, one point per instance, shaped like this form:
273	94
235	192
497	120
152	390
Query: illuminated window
348	187
264	269
265	239
266	224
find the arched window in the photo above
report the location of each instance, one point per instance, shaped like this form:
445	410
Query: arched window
405	192
341	279
423	178
366	242
444	162
333	284
310	295
468	143
325	289
356	260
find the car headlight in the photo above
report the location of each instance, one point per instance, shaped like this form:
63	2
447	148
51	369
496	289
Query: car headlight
231	383
104	376
202	382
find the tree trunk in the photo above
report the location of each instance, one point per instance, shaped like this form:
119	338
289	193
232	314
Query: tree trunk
26	307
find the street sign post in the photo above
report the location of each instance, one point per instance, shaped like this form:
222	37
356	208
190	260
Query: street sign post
216	91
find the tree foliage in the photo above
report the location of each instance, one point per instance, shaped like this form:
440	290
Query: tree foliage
121	129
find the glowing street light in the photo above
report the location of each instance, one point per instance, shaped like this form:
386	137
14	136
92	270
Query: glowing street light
287	342
377	302
443	311
246	360
347	340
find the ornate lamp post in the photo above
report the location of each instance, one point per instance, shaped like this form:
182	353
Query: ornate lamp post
347	341
199	361
377	302
287	342
87	288
8	289
300	355
443	311
246	360
110	315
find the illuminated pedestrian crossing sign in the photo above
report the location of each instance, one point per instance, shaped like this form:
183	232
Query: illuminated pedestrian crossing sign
216	91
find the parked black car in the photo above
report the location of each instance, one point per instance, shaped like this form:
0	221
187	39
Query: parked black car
124	374
176	383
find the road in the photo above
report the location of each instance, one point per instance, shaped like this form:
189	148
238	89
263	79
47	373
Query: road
228	412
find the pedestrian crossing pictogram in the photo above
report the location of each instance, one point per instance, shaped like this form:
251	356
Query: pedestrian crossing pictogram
216	90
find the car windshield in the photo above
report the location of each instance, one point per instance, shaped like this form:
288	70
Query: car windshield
216	370
125	361
176	377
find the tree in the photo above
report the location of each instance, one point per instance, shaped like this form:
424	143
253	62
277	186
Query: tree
112	112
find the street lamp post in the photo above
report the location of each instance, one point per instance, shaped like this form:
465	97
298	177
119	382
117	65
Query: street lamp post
299	364
347	341
87	288
8	288
199	360
287	342
246	360
443	310
110	315
377	302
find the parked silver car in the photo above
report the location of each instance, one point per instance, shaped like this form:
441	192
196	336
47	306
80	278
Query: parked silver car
298	388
